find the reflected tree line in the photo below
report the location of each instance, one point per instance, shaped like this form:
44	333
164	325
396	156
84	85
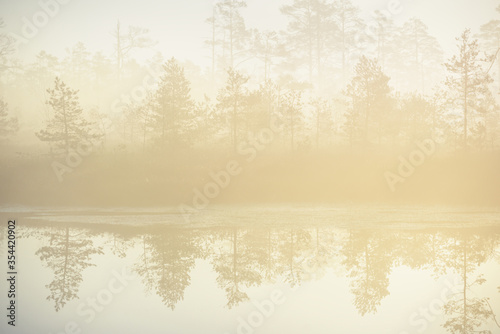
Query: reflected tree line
249	257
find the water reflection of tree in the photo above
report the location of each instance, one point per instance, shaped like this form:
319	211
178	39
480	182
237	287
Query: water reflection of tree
142	266
166	262
119	244
497	257
246	257
320	254
68	254
368	259
295	244
239	263
262	248
466	312
268	245
422	249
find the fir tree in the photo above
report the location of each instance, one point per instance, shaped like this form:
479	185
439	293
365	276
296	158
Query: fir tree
68	127
173	110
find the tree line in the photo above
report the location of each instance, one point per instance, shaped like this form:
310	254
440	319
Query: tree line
331	78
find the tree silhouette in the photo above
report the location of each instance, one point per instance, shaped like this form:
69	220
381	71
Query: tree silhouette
369	94
67	255
68	127
308	32
266	47
384	35
295	243
232	101
420	54
234	33
236	267
467	81
368	259
134	38
119	244
168	257
468	313
173	109
349	33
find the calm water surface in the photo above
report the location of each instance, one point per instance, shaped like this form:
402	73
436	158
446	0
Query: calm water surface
260	270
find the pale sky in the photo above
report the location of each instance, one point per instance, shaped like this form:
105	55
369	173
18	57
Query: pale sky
180	28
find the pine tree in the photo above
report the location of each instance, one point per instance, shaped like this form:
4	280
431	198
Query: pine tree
68	255
68	127
384	34
308	32
233	29
468	82
266	47
135	38
347	36
420	53
232	102
370	102
173	109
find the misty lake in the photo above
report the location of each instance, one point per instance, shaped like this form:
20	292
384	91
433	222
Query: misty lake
276	269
